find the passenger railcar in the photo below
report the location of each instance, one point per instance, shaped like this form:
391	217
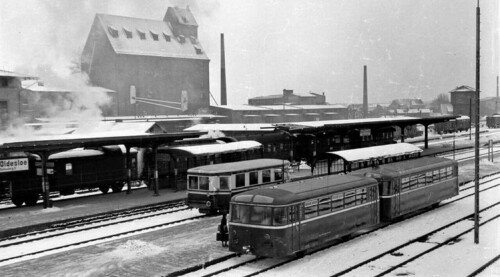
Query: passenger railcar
102	168
210	187
294	217
411	185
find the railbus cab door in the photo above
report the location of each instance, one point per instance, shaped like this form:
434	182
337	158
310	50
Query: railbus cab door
295	227
396	201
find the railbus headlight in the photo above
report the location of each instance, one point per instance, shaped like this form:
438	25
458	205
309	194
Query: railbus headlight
209	204
267	237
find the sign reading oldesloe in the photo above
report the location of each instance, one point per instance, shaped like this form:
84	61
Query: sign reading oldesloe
17	164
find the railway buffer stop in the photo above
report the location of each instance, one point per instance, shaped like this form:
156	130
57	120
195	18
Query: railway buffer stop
45	148
348	160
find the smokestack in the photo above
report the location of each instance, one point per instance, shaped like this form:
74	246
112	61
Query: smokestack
365	93
496	108
223	94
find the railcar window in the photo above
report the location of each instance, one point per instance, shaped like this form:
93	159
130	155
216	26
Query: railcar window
266	176
263	199
360	196
442	173
224	182
428	177
421	179
311	208
413	182
435	176
337	202
349	199
261	215
203	183
280	216
254	178
240	180
405	183
193	182
240	213
325	205
69	169
449	172
278	175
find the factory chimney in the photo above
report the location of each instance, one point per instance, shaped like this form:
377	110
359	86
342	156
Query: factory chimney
223	93
365	93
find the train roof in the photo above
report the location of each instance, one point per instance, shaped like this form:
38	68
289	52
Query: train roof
217	148
215	169
407	167
375	152
292	192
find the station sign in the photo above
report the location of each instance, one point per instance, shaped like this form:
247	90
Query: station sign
17	164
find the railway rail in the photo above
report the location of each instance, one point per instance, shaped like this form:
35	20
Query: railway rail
234	265
96	229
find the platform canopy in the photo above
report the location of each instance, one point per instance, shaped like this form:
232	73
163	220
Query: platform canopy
217	148
376	152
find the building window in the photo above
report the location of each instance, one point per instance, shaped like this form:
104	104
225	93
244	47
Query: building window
142	35
181	38
113	31
166	36
198	50
154	35
127	32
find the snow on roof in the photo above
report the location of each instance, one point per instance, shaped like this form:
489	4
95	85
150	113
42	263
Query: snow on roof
122	128
207	149
5	73
148	46
280	107
34	85
376	152
350	121
77	152
232	127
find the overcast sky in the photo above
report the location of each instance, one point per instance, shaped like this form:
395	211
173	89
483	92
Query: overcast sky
413	48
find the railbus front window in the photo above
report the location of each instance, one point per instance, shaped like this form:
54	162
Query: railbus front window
203	183
193	182
261	215
280	216
224	182
240	213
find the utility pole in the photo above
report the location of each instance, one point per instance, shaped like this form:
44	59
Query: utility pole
476	146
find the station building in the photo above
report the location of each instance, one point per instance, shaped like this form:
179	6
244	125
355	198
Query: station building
160	61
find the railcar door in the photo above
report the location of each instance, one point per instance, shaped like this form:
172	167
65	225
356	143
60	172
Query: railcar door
396	201
373	196
295	227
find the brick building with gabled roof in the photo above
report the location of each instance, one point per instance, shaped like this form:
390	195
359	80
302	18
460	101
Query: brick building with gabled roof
161	60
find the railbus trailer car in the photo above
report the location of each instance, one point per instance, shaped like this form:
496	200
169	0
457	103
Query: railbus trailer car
298	216
210	187
411	185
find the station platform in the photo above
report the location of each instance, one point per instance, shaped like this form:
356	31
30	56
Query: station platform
26	219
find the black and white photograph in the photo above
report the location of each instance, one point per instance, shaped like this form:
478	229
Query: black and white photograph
250	138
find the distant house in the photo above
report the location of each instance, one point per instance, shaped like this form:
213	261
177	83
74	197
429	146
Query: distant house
12	100
161	61
407	104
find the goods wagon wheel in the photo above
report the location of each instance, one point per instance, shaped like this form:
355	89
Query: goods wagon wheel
18	200
117	187
104	188
31	199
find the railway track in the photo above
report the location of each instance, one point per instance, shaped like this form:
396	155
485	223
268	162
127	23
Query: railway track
94	230
248	265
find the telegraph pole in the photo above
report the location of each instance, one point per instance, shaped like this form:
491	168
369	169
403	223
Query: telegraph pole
476	146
